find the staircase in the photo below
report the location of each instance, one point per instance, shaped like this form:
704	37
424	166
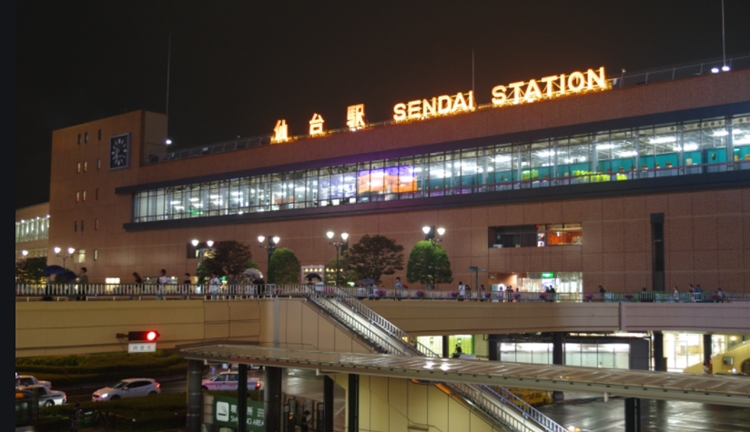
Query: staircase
505	408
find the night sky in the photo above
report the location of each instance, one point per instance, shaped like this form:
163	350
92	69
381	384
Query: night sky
237	67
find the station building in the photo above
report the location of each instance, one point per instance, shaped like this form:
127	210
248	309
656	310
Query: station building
624	186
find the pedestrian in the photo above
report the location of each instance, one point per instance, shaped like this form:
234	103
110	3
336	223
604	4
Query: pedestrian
457	353
461	289
481	292
213	286
720	295
698	293
467	291
83	282
676	294
501	292
75	418
138	285
305	423
161	285
398	286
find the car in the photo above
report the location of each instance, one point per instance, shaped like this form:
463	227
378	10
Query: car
27	380
47	397
229	381
127	388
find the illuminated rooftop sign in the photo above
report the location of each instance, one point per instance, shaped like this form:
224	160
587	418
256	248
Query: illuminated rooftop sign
439	105
551	87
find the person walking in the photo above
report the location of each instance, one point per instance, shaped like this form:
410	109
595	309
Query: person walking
399	287
213	286
461	290
83	282
138	285
161	285
720	295
305	423
75	418
186	285
676	294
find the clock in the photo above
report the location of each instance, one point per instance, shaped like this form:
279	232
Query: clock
119	151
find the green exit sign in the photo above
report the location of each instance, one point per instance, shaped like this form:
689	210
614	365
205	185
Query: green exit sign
548	275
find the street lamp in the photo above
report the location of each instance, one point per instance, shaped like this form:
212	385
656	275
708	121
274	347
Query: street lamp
271	247
202	251
340	246
64	257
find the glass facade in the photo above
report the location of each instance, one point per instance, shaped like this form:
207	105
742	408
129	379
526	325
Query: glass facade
683	148
605	355
32	230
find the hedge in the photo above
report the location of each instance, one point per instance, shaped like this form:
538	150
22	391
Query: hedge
67	370
150	413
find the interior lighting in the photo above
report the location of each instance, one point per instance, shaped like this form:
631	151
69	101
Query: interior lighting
194	199
175	202
720	133
743	140
663	140
213	196
605	146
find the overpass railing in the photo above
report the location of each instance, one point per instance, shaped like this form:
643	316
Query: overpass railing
151	291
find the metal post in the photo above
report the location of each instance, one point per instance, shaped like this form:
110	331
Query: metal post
353	408
659	352
272	399
242	399
558	358
194	395
327	403
632	415
707	349
337	264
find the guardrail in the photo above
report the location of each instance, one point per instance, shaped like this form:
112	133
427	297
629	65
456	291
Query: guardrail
74	291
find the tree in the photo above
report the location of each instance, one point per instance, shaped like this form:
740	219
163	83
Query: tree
228	258
29	270
345	274
428	264
284	267
372	257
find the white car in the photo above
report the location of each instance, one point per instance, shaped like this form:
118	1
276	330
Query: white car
127	388
29	380
47	397
229	381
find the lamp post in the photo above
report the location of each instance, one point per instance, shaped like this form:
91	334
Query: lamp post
338	246
434	236
271	247
64	257
202	251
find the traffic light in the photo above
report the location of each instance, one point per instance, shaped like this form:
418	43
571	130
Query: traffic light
143	336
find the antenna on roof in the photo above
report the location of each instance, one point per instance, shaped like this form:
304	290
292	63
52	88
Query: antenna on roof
723	41
472	70
169	60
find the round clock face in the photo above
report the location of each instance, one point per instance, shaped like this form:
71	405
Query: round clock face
119	148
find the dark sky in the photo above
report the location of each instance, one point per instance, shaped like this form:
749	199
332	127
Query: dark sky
237	67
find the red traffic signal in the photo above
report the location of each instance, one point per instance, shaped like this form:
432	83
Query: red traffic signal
144	336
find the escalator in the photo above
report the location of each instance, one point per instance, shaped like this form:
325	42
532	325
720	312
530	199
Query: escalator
498	403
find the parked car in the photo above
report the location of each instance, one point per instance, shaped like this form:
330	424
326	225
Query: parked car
28	380
47	397
229	381
127	388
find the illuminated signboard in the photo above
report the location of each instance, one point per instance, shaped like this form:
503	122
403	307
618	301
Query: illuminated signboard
440	105
387	180
551	87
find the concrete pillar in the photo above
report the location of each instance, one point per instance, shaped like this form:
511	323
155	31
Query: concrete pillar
194	395
272	398
658	350
446	348
242	398
657	251
707	349
632	415
327	404
353	399
558	358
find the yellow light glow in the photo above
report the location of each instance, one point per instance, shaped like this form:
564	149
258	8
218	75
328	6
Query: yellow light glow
441	105
553	86
355	116
280	132
316	125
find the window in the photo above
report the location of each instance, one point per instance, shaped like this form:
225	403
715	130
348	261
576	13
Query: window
535	235
96	194
81	255
78	196
96	254
85	166
82	226
99	135
84	195
98	164
79	138
96	224
86	137
78	168
75	226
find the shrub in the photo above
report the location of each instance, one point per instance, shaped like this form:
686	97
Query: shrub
420	293
454	294
380	293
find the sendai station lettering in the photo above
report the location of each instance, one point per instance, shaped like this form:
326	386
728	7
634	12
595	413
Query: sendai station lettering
549	87
439	105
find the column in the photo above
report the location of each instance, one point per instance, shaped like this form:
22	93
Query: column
707	349
194	395
632	415
327	404
272	399
658	349
558	358
242	398
446	348
353	405
657	251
